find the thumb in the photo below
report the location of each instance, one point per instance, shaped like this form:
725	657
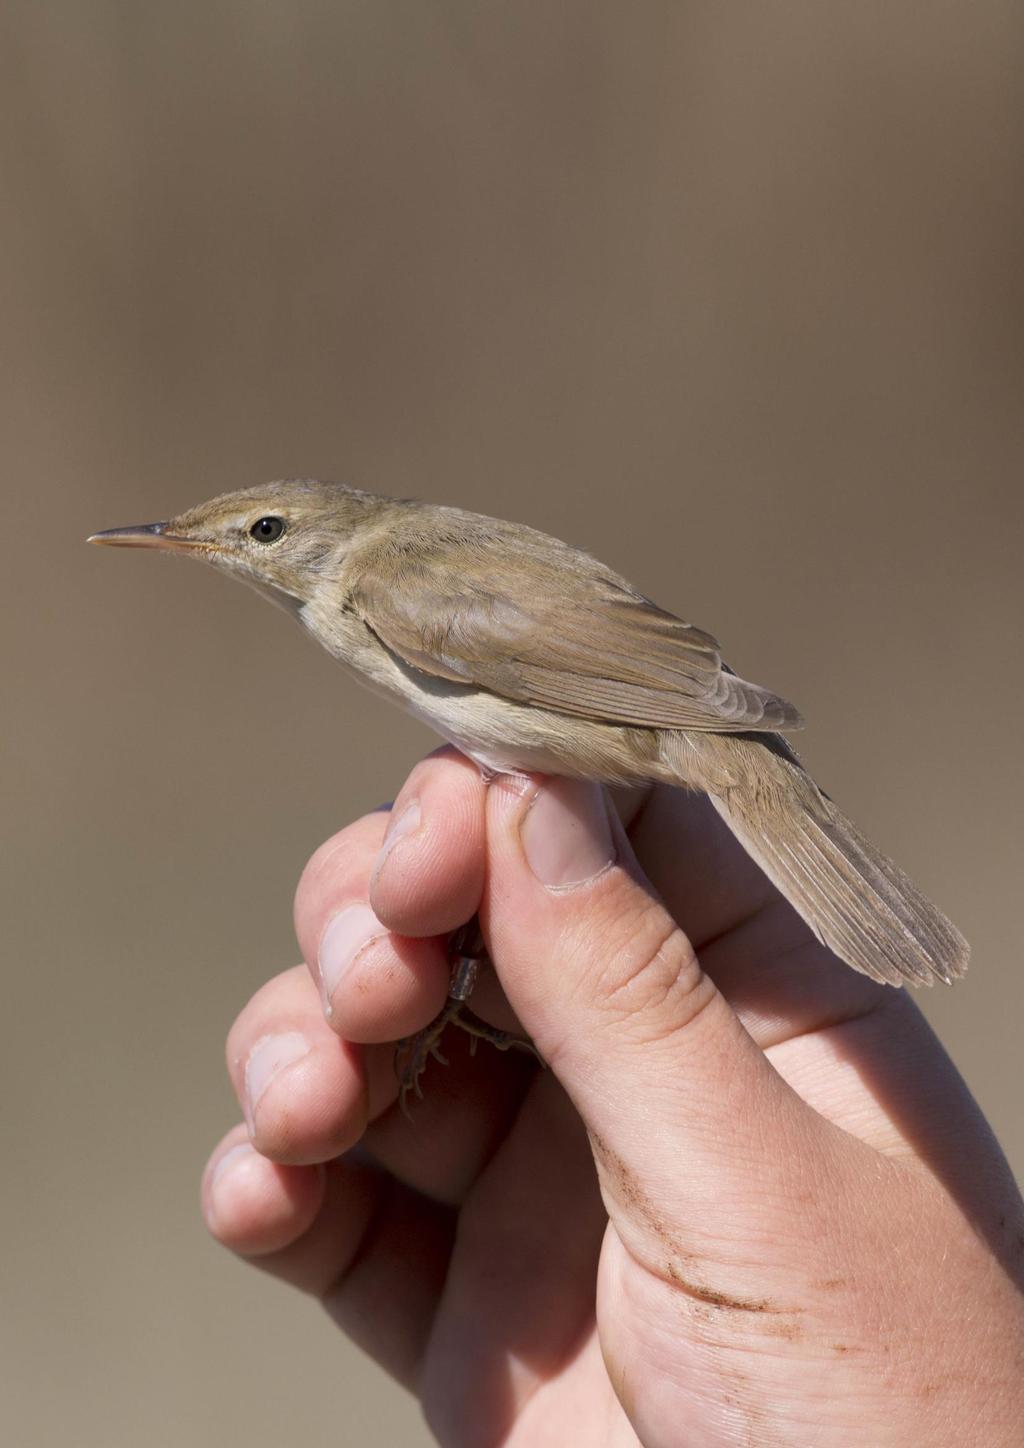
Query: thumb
693	1131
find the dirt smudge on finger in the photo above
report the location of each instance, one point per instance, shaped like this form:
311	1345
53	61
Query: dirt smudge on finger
714	1297
626	1187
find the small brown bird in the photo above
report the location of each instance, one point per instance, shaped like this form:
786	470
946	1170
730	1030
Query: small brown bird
528	654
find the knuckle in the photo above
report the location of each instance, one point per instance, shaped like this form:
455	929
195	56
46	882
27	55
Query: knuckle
650	978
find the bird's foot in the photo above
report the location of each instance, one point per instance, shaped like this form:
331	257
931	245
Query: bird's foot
413	1052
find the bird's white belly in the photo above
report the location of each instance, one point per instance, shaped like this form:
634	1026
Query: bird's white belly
499	735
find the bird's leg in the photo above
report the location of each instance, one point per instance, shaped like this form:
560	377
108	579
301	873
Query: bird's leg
468	953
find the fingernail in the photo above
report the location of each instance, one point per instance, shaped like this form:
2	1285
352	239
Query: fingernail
230	1160
267	1059
399	827
566	835
216	1198
349	932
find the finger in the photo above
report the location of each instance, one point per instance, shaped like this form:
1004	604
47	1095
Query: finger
611	991
374	985
430	871
371	1250
429	875
305	1094
256	1206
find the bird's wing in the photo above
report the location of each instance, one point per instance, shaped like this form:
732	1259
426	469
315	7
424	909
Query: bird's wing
577	639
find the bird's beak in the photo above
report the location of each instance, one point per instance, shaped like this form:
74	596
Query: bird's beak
144	535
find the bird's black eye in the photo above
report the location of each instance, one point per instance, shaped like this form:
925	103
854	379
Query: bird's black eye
267	530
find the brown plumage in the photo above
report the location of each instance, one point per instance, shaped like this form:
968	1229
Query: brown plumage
529	654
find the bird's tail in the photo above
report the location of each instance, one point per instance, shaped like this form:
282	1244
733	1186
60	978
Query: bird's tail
856	901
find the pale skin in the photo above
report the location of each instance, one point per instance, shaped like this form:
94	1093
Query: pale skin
750	1201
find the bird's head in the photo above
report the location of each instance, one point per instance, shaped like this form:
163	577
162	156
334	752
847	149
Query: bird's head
285	538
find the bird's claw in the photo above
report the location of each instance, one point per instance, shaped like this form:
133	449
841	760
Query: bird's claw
413	1053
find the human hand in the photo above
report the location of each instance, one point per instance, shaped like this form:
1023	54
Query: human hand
750	1202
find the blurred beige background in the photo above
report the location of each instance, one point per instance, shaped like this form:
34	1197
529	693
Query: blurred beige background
729	294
